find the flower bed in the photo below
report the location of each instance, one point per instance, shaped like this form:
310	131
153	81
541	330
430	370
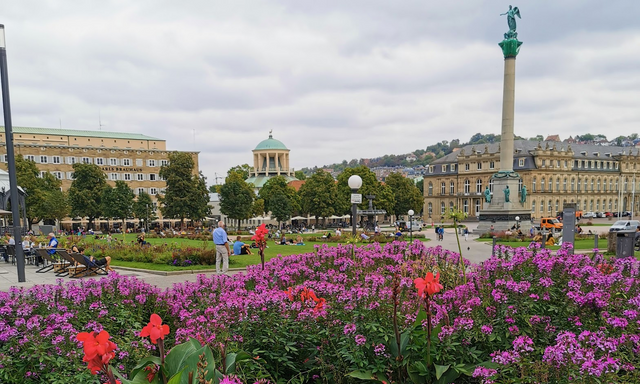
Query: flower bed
328	317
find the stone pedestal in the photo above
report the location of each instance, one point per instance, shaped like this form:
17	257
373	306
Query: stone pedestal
501	214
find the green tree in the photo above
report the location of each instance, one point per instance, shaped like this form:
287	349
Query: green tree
85	193
281	207
318	195
143	208
27	175
186	194
300	175
117	203
244	170
406	195
54	206
236	198
275	184
420	186
258	207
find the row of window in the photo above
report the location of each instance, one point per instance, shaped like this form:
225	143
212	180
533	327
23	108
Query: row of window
611	184
467	187
578	164
588	205
44	159
112	176
551	207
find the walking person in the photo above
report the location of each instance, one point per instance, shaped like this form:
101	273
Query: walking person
466	234
221	241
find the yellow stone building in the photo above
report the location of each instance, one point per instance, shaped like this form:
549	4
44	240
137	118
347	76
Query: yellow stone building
597	178
131	157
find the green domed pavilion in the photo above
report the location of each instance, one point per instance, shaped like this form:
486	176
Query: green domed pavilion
270	158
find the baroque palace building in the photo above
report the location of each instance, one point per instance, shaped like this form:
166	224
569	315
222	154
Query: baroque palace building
597	178
131	157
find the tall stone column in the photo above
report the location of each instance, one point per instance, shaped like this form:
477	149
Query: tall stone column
506	208
508	111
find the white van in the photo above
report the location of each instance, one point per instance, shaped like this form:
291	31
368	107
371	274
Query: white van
624	225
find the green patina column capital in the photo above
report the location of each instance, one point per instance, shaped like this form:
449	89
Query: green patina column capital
510	47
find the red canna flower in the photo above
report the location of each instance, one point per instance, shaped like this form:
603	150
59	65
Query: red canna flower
155	329
319	305
289	293
98	350
261	232
429	284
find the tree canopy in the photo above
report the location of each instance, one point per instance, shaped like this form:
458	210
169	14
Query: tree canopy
186	194
318	195
143	208
370	186
85	193
272	186
117	203
406	195
236	198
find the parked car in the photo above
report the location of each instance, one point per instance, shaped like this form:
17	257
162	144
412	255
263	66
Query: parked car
608	214
589	215
550	223
624	225
599	214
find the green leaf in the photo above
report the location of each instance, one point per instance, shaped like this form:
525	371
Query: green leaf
143	363
440	370
177	378
363	375
175	360
422	315
232	359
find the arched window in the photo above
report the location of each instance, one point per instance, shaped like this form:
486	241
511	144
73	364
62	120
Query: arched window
478	186
615	205
533	206
443	188
451	206
467	186
551	184
533	184
465	206
477	206
542	184
610	204
592	185
564	184
626	184
598	185
586	184
430	189
452	188
611	184
443	208
430	209
491	185
591	205
604	185
558	184
520	185
598	205
557	205
550	206
573	184
617	188
585	205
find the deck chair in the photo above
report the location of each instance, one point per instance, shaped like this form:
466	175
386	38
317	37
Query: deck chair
75	269
58	265
69	263
44	255
90	266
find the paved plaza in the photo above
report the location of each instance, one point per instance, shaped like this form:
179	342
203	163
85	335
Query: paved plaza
472	250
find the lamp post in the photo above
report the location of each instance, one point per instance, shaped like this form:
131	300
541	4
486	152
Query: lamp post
11	160
411	224
517	222
146	228
355	182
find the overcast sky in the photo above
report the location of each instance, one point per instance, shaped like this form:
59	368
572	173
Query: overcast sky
334	79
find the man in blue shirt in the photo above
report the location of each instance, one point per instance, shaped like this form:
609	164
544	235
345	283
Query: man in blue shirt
53	243
221	241
240	248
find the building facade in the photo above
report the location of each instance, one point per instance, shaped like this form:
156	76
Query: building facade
597	178
130	157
